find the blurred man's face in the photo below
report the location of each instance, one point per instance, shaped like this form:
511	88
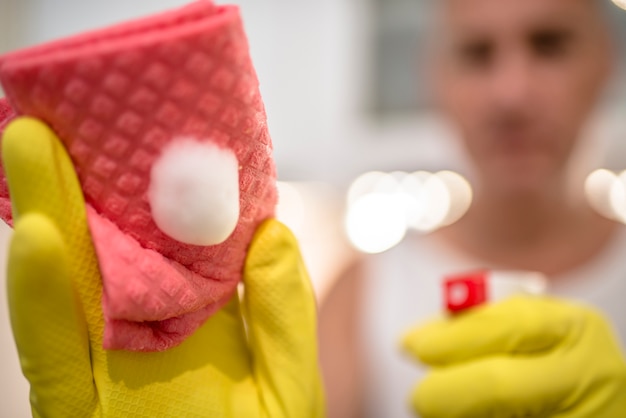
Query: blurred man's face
520	78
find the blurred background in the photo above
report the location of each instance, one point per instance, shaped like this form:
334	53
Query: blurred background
362	156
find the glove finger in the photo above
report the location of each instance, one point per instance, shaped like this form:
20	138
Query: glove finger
280	312
494	387
49	333
42	179
40	174
516	325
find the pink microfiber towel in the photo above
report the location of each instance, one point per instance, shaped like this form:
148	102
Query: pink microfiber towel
117	98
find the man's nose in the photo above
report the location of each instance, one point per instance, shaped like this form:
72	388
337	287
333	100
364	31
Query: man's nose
511	83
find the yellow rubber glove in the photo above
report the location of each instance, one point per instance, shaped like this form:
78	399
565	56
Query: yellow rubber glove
54	290
523	357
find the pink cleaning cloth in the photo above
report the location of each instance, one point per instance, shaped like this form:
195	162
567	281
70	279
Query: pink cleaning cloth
116	97
6	115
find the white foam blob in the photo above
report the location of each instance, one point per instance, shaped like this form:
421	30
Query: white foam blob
194	192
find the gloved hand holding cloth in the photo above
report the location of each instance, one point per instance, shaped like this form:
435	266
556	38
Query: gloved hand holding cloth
102	109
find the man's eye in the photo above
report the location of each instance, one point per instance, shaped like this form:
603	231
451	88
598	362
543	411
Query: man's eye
475	54
550	43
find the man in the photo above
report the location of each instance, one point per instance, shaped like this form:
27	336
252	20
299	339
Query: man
519	79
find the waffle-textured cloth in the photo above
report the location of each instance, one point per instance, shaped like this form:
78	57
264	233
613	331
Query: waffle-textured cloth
116	97
6	115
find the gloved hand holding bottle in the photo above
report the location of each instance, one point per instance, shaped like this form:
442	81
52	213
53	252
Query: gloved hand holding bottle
254	359
526	356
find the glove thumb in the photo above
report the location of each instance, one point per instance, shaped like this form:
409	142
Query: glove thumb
280	312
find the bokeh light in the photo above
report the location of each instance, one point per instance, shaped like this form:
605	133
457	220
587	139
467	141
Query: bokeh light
435	197
365	183
617	196
376	222
620	3
382	207
416	204
605	193
460	192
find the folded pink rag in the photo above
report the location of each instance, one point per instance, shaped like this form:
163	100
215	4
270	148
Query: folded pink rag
116	97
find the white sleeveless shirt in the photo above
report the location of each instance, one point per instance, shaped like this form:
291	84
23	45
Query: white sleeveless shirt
403	288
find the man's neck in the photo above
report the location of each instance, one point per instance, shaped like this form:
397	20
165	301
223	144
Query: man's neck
550	232
521	220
